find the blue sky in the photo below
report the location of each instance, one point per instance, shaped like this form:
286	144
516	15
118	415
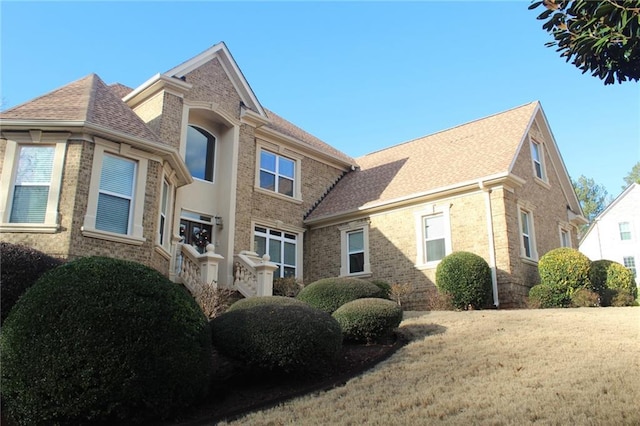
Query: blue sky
361	76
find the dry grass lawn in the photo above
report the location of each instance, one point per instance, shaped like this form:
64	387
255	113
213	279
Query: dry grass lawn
505	367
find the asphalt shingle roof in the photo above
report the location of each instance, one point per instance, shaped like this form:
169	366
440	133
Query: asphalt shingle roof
87	100
463	153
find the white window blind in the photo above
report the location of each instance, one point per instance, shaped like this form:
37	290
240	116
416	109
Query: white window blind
115	197
31	185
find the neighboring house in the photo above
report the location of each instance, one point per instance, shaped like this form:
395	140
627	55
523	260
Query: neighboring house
615	233
189	174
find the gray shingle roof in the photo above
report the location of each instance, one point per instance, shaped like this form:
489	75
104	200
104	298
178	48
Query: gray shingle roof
463	153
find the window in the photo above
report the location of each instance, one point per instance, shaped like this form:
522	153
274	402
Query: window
537	157
565	238
434	238
354	239
277	173
625	231
196	230
433	231
200	153
527	238
115	195
163	223
281	246
31	184
630	263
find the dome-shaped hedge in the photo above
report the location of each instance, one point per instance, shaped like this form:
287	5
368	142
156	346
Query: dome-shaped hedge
21	267
329	294
466	277
250	302
565	268
103	340
368	319
277	337
613	282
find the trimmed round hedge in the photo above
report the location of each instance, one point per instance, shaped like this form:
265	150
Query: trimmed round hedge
328	294
613	282
103	340
278	338
21	268
250	302
368	319
466	277
565	268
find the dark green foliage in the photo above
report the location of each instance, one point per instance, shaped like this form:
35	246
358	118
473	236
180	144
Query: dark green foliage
466	277
565	268
367	320
585	298
278	338
601	37
287	286
329	294
265	300
103	340
614	283
21	267
548	296
384	286
598	278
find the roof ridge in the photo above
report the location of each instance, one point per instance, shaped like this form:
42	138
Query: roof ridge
447	129
92	90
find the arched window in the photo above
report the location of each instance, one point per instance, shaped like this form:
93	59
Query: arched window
200	154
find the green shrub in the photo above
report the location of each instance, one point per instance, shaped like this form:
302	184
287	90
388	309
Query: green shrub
265	300
384	286
565	268
21	267
585	298
368	319
278	338
467	278
329	294
548	296
103	340
287	286
612	281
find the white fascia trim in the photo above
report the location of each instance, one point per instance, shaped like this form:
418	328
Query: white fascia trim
155	84
252	118
276	137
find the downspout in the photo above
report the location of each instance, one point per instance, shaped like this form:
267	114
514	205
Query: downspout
492	248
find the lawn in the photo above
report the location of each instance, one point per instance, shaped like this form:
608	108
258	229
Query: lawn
548	366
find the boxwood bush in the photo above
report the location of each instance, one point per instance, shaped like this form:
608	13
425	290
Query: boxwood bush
565	268
466	277
384	286
329	294
548	296
276	337
367	320
21	267
103	340
613	282
250	302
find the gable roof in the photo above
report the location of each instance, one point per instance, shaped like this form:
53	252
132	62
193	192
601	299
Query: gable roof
464	154
628	190
85	101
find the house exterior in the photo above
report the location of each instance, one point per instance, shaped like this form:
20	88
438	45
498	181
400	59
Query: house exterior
189	174
615	233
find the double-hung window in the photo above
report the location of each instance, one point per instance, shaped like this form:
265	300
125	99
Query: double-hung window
538	159
200	153
434	238
625	231
354	239
115	195
433	231
32	184
527	235
630	263
565	238
281	246
277	173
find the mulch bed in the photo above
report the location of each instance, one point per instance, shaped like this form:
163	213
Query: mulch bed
236	395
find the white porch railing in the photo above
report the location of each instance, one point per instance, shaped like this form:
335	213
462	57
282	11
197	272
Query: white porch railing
252	274
193	269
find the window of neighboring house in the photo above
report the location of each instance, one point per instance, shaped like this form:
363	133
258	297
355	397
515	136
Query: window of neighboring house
31	184
200	153
354	239
527	238
625	231
565	238
163	223
281	246
277	173
116	194
537	157
630	263
196	230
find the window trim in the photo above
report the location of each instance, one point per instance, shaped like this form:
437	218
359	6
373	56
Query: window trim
531	235
421	249
135	235
15	140
297	173
564	230
537	147
213	139
345	230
